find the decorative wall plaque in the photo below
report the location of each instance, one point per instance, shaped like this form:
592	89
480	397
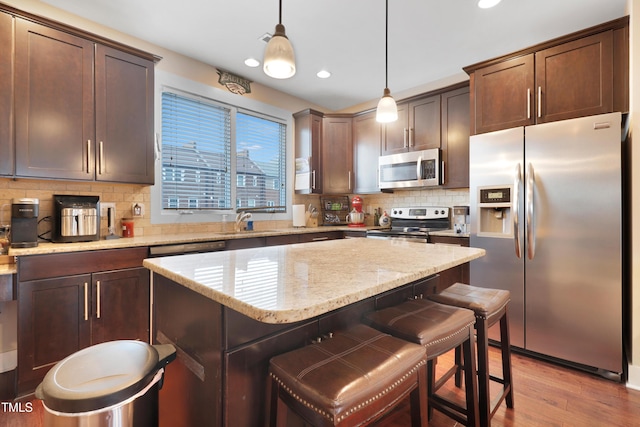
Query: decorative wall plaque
235	84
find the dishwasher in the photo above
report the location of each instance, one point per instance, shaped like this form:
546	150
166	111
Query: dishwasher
186	248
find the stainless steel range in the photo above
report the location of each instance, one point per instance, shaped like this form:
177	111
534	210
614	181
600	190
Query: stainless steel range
414	223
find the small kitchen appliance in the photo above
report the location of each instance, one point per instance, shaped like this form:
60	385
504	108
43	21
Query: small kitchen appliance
24	222
356	216
75	219
414	223
461	219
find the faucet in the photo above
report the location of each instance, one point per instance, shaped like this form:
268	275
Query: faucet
241	216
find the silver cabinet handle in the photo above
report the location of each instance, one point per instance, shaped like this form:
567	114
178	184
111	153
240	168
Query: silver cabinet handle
98	299
313	179
531	238
101	158
319	239
88	155
405	133
516	210
539	101
528	103
86	301
412	143
349	180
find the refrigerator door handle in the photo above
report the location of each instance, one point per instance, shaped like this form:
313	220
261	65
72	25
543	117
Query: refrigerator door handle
516	210
530	212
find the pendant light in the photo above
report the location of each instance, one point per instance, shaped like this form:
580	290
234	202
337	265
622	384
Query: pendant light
387	110
279	61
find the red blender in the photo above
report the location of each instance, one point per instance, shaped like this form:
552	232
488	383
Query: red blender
356	216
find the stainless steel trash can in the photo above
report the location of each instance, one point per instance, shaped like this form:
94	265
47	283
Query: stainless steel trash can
113	384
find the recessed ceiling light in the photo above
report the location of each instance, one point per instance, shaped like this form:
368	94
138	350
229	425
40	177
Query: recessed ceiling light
323	74
486	4
251	62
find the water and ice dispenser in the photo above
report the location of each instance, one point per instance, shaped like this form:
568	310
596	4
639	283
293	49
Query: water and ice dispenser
495	210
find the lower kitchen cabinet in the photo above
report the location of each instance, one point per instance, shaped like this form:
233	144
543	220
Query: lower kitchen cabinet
60	314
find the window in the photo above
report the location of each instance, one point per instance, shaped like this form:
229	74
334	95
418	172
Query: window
204	143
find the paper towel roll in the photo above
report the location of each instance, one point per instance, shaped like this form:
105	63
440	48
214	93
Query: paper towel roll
299	218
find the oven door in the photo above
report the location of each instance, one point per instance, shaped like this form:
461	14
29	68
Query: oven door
413	169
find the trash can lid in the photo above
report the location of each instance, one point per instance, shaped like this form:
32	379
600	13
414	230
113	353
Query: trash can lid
99	376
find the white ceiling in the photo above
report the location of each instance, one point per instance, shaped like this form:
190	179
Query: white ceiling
429	40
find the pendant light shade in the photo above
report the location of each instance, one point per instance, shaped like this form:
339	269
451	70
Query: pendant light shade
279	60
387	110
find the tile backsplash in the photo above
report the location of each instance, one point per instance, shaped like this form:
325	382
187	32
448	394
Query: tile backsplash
124	195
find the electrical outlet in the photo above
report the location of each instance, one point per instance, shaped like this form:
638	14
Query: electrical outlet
137	209
104	206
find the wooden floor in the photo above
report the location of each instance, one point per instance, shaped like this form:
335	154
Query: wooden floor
545	395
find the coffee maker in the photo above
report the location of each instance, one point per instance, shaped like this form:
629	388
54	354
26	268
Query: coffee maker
24	222
461	219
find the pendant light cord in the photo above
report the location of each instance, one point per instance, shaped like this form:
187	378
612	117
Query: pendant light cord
386	44
280	12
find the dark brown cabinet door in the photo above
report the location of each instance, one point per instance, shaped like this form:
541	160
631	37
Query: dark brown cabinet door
337	155
367	135
53	322
424	123
396	134
455	137
6	94
575	79
417	127
308	140
124	117
504	94
120	305
54	103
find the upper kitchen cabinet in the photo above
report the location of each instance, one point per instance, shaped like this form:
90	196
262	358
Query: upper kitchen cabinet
83	105
367	134
6	94
55	131
578	75
124	117
455	137
324	153
308	140
337	154
417	127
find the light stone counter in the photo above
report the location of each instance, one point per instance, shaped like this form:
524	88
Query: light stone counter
284	284
166	239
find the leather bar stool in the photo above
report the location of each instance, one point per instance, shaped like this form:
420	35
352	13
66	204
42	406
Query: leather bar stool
439	328
489	306
352	378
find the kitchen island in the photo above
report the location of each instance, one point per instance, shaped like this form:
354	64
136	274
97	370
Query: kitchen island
229	312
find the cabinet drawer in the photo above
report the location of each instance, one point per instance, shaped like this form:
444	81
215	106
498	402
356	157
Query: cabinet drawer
33	267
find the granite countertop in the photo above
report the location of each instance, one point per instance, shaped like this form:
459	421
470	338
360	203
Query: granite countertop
168	239
284	284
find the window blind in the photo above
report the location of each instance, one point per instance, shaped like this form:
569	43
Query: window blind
196	155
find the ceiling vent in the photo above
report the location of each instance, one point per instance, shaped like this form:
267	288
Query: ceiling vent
265	37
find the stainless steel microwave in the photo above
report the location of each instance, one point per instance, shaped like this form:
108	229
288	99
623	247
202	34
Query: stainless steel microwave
413	169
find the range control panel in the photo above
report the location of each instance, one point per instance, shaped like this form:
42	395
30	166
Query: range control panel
420	213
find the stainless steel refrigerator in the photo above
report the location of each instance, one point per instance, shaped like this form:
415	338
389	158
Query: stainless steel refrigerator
546	204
